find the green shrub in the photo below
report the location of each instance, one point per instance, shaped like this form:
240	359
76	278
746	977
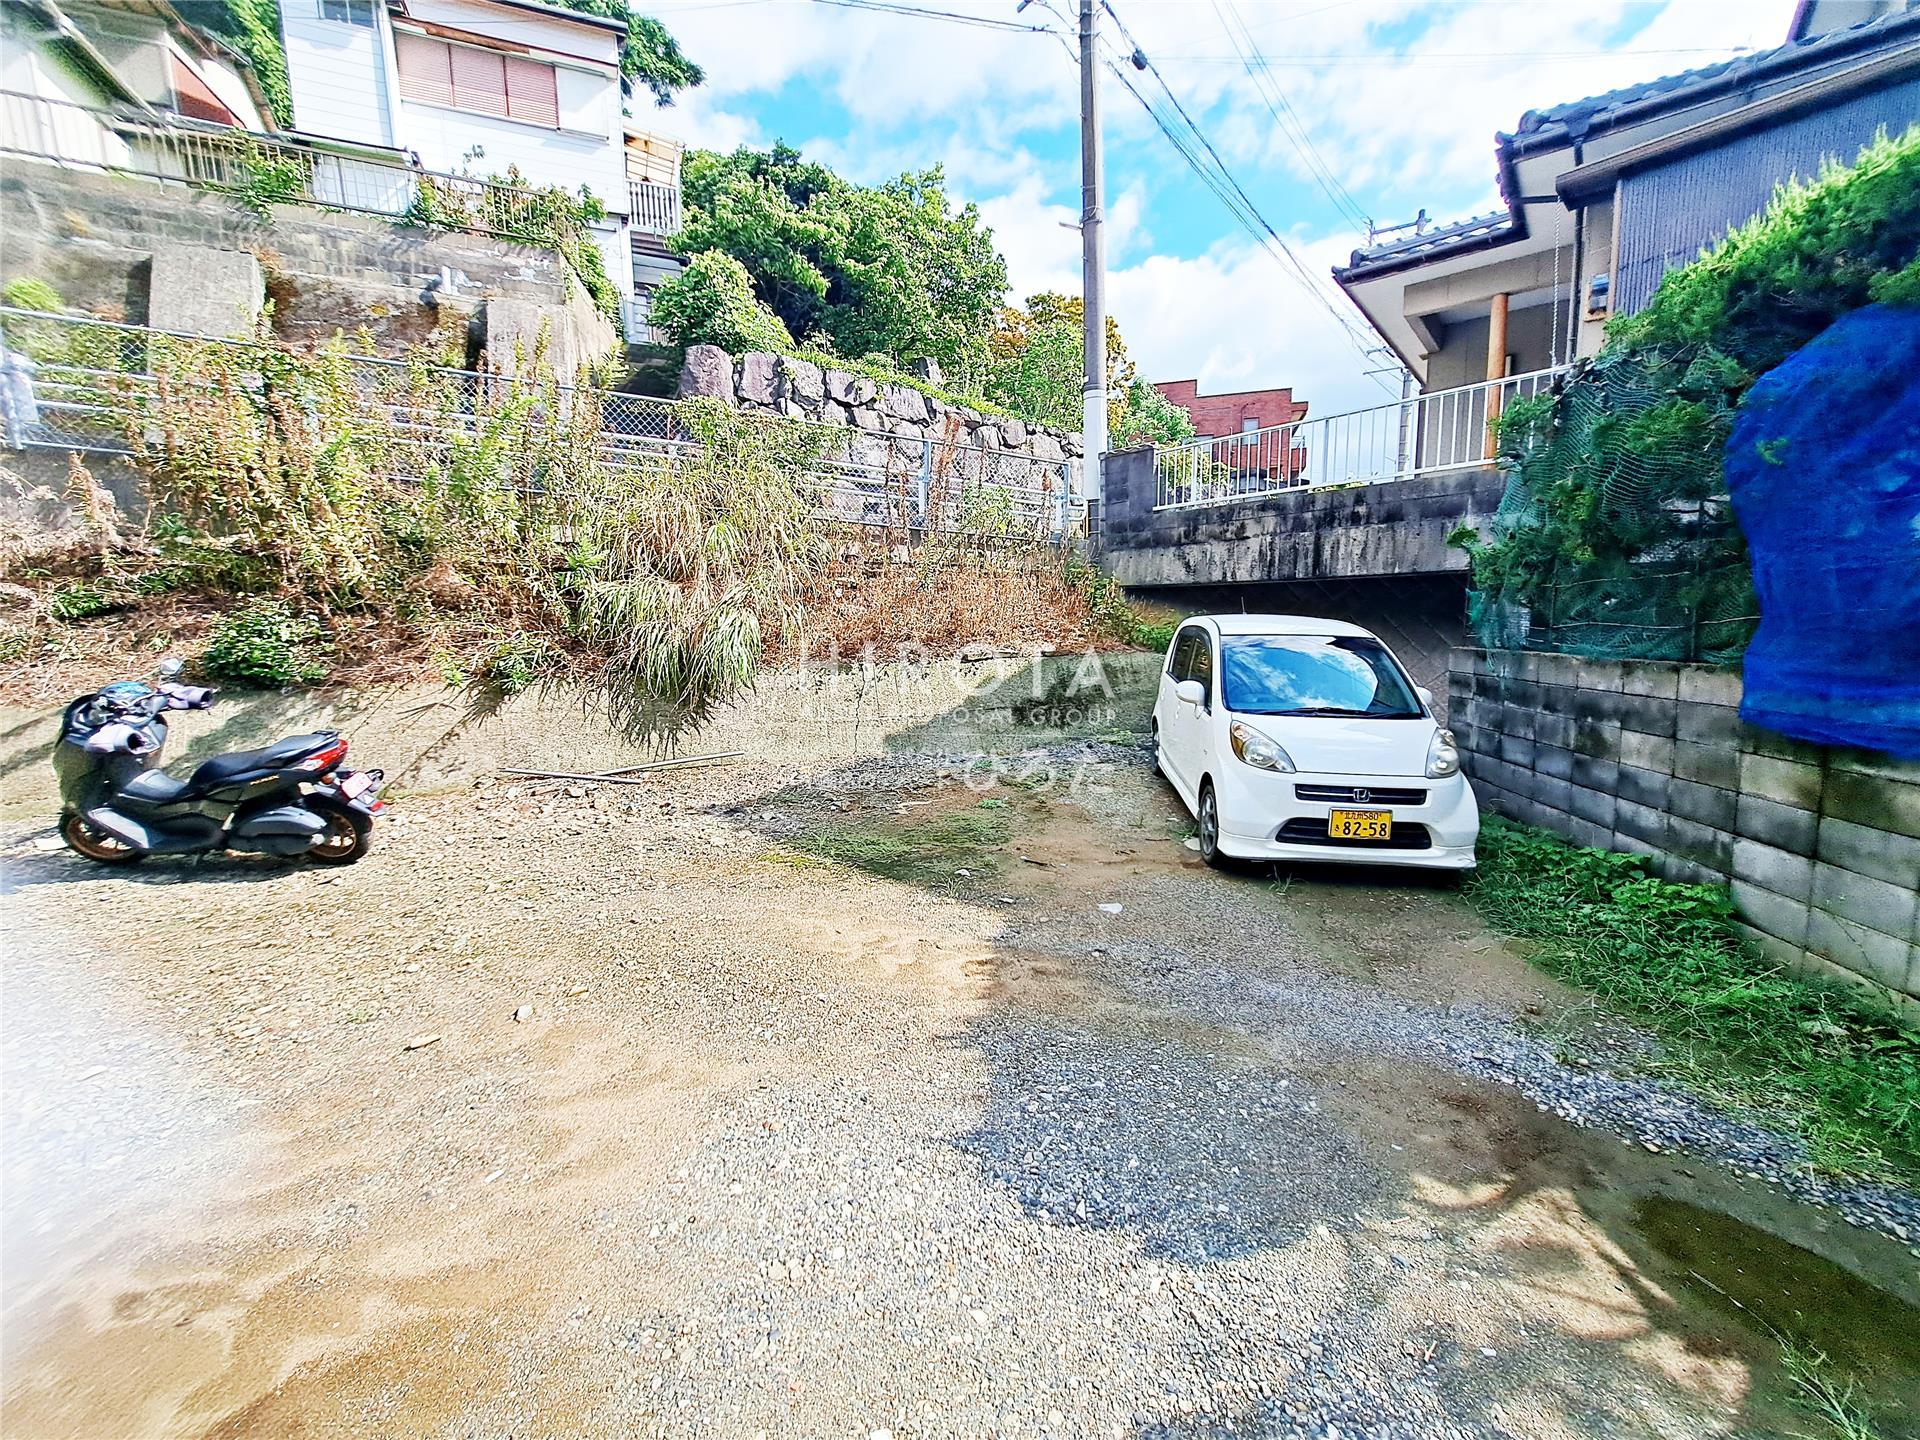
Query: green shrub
1614	535
267	646
80	600
712	302
26	293
268	179
515	664
1108	603
1837	1068
1818	250
1143	416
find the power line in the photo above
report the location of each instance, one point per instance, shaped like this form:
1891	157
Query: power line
1220	180
1293	127
1460	57
984	22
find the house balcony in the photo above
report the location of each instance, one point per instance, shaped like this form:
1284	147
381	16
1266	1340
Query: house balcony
653	208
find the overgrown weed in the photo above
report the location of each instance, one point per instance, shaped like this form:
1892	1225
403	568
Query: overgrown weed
1840	1071
925	852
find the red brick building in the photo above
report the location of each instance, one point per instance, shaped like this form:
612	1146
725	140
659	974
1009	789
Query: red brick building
1216	416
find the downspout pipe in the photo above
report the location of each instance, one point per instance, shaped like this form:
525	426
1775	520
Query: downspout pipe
1578	134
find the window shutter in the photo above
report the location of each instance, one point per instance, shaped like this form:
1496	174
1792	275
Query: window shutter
426	73
479	81
532	94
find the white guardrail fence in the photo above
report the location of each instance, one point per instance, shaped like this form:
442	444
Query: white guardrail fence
90	386
1420	435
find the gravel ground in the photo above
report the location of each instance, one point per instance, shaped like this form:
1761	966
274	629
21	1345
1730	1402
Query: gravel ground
784	1147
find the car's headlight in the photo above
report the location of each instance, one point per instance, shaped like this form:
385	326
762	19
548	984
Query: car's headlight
1257	750
1443	758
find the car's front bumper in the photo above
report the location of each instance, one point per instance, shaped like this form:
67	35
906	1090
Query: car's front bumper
1255	806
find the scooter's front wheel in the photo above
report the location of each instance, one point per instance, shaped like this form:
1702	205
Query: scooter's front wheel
88	839
348	835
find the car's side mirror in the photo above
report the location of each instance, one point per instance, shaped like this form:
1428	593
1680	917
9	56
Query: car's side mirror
1426	695
1191	691
168	668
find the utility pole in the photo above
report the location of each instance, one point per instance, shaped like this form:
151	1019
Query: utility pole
1093	258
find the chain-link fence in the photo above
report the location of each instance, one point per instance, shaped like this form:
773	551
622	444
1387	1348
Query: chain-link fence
93	386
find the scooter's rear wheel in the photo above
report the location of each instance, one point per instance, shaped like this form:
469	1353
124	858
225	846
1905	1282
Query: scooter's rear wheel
88	839
348	835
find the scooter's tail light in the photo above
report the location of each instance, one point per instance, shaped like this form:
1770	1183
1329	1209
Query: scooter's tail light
325	760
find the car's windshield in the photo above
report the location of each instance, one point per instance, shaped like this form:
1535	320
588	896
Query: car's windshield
1314	675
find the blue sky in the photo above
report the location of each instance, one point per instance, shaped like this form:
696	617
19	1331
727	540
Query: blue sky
1398	100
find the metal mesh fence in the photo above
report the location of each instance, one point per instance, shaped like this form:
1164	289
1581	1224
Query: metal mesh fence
93	386
1614	537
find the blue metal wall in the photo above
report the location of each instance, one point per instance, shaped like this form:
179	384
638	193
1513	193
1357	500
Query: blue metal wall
1668	214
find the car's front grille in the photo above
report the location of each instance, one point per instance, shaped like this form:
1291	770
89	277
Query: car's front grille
1359	795
1314	832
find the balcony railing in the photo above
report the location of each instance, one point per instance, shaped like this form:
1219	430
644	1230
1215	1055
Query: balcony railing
653	208
1421	435
267	168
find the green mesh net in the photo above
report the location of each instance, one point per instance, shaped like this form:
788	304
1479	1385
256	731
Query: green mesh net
1614	537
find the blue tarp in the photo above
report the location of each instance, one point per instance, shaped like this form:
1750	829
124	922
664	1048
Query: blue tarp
1824	469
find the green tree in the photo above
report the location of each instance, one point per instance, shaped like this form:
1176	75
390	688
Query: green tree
651	56
1038	364
711	302
1017	324
894	270
1044	377
1141	415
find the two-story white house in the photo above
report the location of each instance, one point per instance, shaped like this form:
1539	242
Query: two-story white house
472	86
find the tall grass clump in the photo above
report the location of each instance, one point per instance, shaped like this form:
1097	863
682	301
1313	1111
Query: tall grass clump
686	570
491	506
1839	1070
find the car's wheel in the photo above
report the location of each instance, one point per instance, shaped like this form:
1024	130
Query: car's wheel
1208	816
348	835
1158	768
84	837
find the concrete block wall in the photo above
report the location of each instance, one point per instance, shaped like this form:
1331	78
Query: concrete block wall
1820	846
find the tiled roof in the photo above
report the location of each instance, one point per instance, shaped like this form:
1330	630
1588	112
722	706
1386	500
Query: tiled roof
1551	124
1440	237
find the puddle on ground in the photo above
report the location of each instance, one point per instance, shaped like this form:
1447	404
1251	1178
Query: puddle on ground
1781	1293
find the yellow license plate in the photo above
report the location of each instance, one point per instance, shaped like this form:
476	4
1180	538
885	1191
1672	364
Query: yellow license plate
1360	825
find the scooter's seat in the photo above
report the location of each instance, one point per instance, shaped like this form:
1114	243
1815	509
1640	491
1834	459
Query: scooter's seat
156	787
223	769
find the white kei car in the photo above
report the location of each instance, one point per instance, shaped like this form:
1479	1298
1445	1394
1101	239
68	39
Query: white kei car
1291	738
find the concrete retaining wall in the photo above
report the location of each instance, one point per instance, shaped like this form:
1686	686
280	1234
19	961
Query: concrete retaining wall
1395	528
429	738
1820	845
107	243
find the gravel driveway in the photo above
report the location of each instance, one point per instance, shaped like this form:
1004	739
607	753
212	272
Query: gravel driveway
859	1102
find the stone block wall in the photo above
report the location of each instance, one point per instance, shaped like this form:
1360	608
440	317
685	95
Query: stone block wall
1819	845
800	389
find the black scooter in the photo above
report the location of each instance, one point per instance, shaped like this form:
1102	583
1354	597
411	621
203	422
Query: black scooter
294	797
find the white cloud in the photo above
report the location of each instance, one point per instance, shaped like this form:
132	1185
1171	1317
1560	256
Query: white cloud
1401	98
1235	320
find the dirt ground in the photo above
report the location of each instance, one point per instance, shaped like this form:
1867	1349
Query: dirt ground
843	1107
